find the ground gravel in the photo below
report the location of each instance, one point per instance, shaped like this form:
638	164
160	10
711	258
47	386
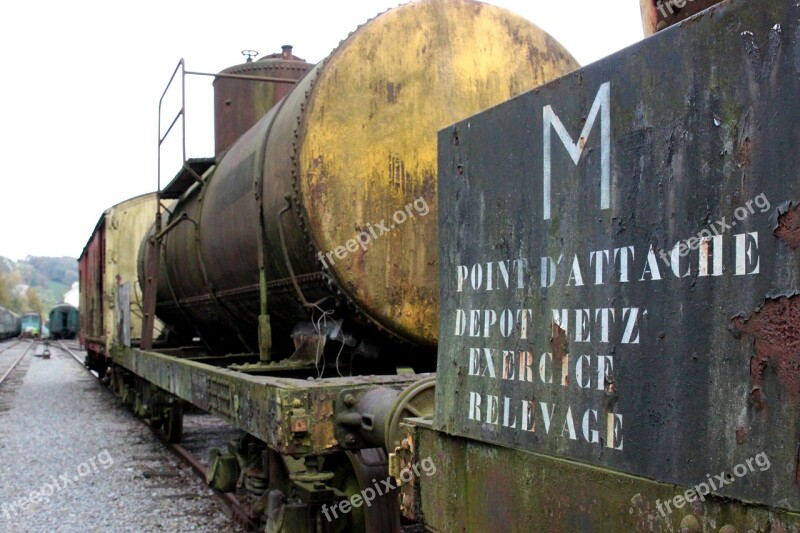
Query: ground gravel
73	459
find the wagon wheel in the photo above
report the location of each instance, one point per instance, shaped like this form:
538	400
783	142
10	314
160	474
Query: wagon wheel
415	401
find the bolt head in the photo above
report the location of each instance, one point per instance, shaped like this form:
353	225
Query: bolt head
349	400
689	524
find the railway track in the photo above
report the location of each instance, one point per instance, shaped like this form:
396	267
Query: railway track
139	485
6	345
66	349
9	360
186	452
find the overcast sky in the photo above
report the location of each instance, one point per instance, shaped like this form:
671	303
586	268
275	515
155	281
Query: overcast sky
81	82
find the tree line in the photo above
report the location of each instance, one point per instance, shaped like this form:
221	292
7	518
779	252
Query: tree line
15	301
35	283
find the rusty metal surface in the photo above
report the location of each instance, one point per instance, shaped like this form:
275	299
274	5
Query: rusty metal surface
480	487
90	268
367	152
239	103
674	366
109	259
328	174
292	416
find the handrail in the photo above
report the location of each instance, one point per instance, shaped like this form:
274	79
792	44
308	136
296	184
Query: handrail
181	66
241	77
155	240
181	114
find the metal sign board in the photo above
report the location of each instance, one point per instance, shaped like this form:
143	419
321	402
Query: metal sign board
619	262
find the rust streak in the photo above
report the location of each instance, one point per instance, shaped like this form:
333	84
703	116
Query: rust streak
756	398
560	343
740	435
788	229
744	153
322	416
392	92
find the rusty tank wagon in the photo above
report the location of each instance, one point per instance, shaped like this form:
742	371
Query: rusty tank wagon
578	313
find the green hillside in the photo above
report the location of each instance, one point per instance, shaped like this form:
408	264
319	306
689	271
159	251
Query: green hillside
36	283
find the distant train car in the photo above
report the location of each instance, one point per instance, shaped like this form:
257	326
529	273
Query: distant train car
108	278
9	324
31	325
64	321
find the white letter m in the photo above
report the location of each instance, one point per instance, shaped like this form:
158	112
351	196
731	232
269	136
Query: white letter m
602	102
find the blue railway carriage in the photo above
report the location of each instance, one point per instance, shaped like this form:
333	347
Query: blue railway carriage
31	325
9	323
64	321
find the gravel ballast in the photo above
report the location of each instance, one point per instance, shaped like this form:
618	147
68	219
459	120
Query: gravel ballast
74	459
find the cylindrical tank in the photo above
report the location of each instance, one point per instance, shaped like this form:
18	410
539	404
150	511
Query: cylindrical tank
349	155
239	103
659	15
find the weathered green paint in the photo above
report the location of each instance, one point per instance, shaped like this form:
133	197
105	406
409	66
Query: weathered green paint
223	471
293	416
480	487
696	125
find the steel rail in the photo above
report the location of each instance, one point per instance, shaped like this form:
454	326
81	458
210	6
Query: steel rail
235	508
15	363
64	348
4	348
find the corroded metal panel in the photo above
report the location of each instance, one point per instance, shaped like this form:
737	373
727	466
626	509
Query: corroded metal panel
293	416
369	148
619	266
90	266
479	487
239	103
125	227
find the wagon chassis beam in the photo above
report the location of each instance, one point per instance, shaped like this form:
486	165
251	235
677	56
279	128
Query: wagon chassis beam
292	416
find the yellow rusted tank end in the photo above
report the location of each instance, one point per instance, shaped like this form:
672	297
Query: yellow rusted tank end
367	150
